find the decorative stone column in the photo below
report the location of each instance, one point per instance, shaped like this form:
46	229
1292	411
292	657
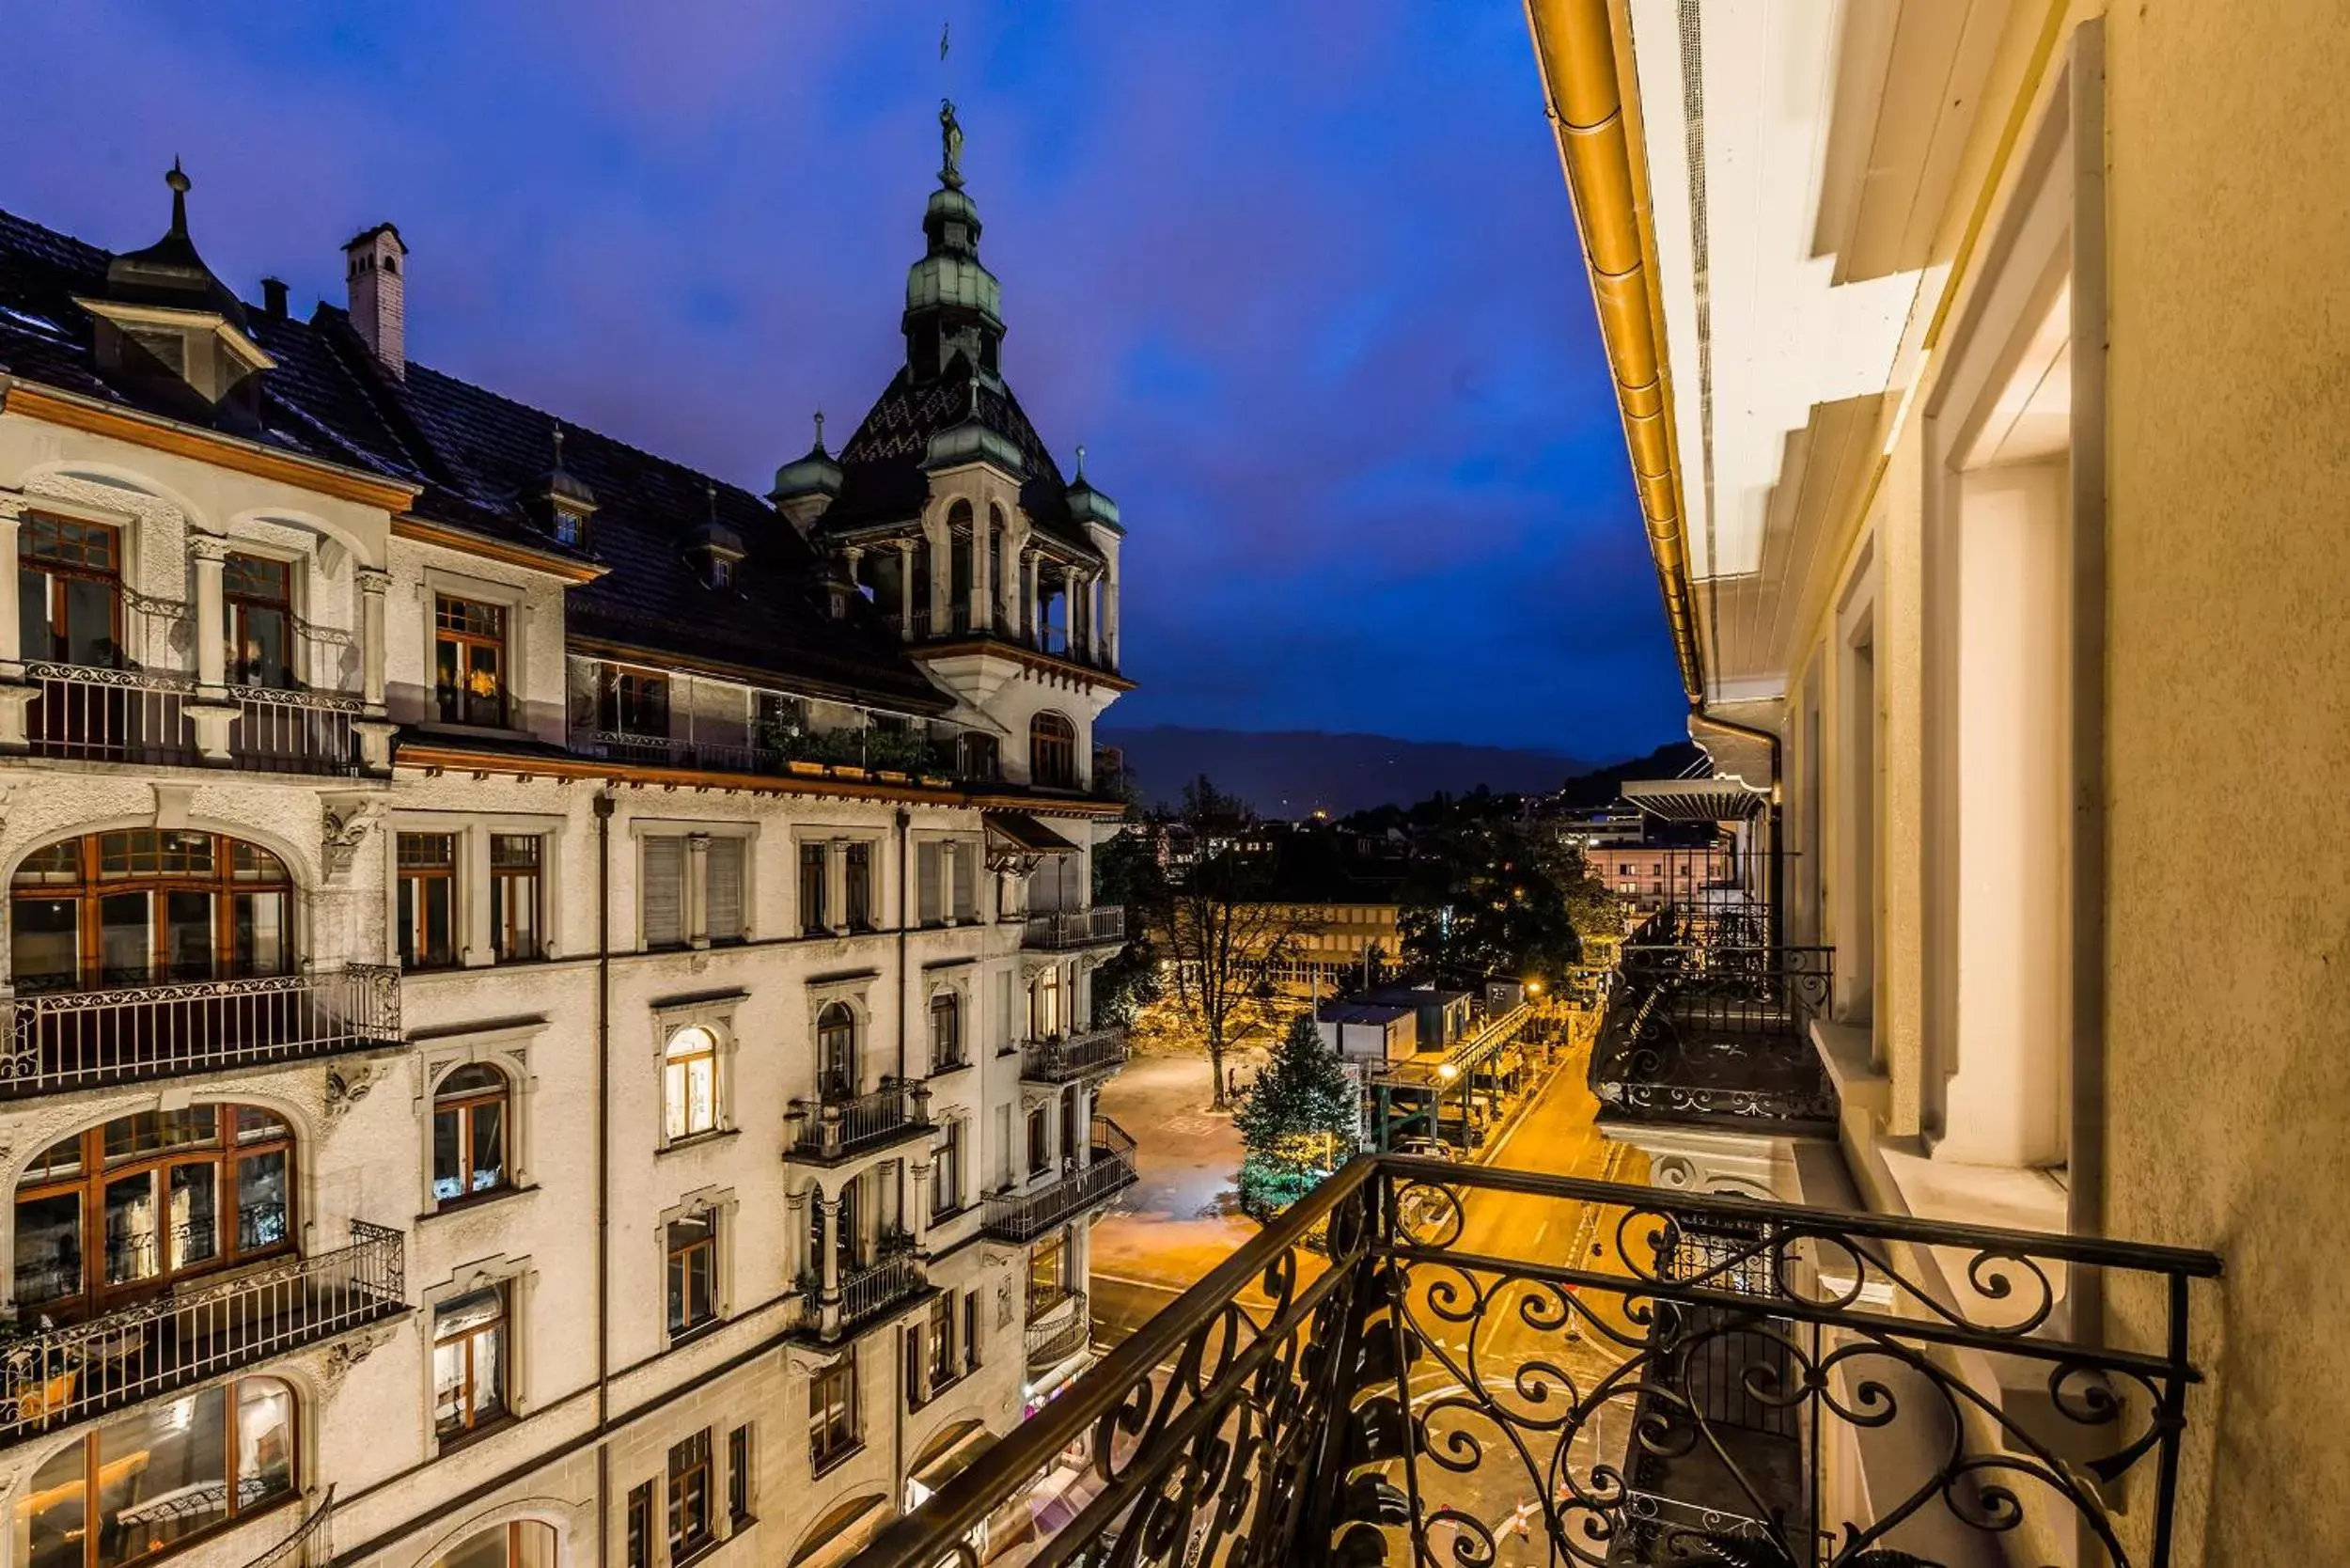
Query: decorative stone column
828	1242
905	589
913	1207
376	728
981	529
213	713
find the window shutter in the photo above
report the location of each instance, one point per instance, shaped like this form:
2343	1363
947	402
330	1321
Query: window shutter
967	857
726	889
664	893
926	877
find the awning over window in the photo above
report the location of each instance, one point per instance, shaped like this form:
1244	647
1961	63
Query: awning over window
949	1453
1021	834
1696	800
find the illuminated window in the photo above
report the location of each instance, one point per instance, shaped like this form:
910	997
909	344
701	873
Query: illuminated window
514	864
156	1480
690	1083
469	1363
835	1052
523	1544
469	661
147	905
428	900
471	1112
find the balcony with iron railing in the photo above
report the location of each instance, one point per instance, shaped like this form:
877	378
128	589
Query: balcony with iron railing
836	1128
151	717
1069	930
1706	1025
1429	1362
53	1041
1081	1053
862	1294
312	1543
1065	1330
53	1377
1109	1169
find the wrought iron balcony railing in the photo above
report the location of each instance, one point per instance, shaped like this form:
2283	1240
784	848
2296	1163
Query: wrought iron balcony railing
1080	1055
1707	1034
1063	930
56	1376
1421	1361
862	1294
312	1542
840	1128
1110	1169
1052	1342
94	714
56	1040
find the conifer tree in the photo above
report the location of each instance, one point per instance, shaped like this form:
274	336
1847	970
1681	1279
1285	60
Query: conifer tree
1297	1123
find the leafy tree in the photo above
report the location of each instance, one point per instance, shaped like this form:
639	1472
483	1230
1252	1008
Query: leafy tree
1126	870
1223	939
1297	1123
1492	893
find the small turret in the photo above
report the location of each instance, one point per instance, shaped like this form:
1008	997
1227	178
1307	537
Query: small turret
1089	505
806	488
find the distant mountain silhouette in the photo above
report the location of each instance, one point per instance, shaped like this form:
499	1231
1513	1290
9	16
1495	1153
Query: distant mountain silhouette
1295	773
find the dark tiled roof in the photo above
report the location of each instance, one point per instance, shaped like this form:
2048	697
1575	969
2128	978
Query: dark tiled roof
880	467
478	461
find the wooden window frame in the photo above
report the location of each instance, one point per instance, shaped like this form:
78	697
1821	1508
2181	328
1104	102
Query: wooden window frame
946	1052
94	885
453	626
58	565
414	878
499	1329
639	1536
742	1493
678	1271
94	1174
463	1105
692	1496
508	884
835	1425
677	1075
237	601
1052	751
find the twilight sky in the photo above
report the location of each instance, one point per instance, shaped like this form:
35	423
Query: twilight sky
1302	276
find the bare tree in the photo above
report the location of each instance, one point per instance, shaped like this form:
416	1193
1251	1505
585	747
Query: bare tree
1226	937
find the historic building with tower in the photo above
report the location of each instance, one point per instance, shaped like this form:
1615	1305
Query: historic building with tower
549	996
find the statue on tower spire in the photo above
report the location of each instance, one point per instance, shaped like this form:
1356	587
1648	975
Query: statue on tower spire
950	135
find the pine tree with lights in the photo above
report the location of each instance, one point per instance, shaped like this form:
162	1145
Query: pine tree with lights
1297	1123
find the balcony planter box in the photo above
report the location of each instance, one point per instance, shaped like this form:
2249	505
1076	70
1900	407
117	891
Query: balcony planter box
889	775
933	781
842	770
812	770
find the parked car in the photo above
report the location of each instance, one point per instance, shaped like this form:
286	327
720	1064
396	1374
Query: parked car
1428	1149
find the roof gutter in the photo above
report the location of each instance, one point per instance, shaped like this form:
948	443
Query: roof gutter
1584	70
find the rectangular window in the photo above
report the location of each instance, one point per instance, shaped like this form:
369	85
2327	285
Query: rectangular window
664	900
926	862
739	1476
723	910
832	1413
693	1244
945	1363
815	867
257	604
1039	1142
515	859
469	1363
966	893
689	1511
640	1526
947	1172
428	900
469	661
970	1331
633	702
69	591
860	887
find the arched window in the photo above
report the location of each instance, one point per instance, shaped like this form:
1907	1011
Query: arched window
945	1031
690	1082
148	905
523	1544
471	1110
1053	752
172	1472
115	1213
835	1052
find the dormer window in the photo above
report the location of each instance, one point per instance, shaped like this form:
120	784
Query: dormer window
571	528
714	550
720	571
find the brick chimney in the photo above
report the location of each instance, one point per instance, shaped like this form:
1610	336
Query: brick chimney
376	268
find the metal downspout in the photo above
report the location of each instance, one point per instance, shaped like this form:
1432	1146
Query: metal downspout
603	805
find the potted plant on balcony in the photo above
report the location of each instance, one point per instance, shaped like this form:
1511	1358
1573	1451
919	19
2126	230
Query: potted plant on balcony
896	1241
